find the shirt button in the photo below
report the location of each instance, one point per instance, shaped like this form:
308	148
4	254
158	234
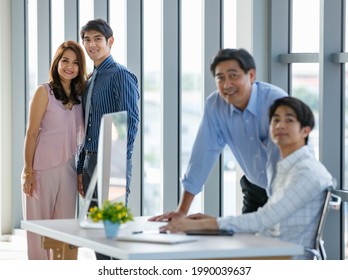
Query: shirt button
251	138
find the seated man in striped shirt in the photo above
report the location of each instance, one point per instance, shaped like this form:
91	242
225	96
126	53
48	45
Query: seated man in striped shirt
298	187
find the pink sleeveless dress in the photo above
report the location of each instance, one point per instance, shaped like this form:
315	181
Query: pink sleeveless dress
60	136
55	194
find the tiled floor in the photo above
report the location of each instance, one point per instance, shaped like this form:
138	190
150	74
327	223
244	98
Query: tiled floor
14	247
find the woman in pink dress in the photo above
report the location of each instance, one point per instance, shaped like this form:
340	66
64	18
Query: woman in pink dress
54	134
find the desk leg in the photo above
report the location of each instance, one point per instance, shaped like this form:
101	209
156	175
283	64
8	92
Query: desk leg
61	250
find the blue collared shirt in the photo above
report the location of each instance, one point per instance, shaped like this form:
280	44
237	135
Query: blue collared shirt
115	89
245	132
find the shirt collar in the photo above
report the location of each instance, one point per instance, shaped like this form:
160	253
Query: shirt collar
252	104
285	164
105	64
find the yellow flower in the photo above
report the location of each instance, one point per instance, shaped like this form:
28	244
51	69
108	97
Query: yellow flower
116	212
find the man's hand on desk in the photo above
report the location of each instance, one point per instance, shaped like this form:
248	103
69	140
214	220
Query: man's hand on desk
167	216
192	222
180	212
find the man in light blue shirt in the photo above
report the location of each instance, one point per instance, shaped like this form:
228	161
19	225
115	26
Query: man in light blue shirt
235	115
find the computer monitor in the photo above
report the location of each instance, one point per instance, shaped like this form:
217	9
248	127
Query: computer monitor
109	176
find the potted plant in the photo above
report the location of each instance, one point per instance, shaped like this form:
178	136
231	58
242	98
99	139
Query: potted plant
113	214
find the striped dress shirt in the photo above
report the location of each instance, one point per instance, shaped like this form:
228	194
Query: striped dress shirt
115	89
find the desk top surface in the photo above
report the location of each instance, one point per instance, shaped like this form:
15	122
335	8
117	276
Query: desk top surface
207	247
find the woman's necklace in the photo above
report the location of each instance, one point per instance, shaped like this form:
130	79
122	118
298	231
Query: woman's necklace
69	105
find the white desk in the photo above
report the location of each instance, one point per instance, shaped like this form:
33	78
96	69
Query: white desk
70	235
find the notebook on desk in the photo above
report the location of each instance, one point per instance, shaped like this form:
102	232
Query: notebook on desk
159	238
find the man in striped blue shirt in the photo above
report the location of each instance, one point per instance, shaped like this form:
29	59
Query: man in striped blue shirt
115	89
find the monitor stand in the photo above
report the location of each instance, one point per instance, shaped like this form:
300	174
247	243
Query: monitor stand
83	216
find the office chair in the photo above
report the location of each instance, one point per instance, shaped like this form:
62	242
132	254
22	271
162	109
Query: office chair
332	201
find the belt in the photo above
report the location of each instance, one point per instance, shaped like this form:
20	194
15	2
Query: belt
89	152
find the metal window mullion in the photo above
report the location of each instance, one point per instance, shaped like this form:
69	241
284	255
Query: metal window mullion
134	58
19	94
44	39
212	42
331	119
340	57
288	58
101	8
279	43
170	97
71	31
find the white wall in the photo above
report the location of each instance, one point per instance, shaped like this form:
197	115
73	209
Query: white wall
5	118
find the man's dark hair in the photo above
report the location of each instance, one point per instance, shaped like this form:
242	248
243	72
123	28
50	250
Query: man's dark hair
99	25
303	113
245	60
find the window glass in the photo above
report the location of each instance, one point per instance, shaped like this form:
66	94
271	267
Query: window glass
57	25
229	23
305	86
86	13
346	112
229	164
305	28
345	185
346	132
117	9
152	111
192	96
345	207
346	28
32	47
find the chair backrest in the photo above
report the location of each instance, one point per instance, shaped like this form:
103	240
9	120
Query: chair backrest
319	242
332	201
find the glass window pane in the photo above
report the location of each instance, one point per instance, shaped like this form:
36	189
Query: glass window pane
230	23
230	184
346	29
345	217
57	25
191	82
32	47
345	207
152	112
118	25
305	26
86	13
345	185
229	163
305	86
